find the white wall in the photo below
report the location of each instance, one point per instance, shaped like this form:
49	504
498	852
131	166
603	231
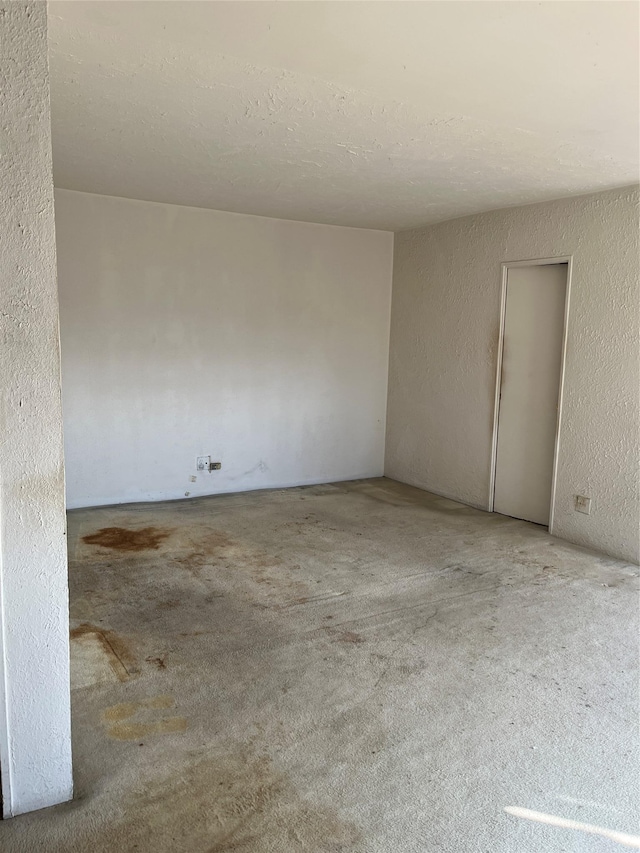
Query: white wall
261	342
35	736
444	335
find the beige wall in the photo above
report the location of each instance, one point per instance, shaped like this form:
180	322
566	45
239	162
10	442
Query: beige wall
35	736
185	332
444	336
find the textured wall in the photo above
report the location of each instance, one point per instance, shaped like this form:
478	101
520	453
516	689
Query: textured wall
377	115
35	743
444	335
188	332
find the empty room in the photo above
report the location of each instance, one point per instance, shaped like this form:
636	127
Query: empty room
320	469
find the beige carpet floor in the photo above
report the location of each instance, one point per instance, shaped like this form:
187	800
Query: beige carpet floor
357	667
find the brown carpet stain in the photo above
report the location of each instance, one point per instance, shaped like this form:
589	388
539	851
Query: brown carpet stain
209	550
124	710
120	712
236	803
217	554
136	731
123	539
349	637
217	540
169	604
121	659
120	723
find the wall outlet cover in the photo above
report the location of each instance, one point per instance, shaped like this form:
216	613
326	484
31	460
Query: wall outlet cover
202	463
583	504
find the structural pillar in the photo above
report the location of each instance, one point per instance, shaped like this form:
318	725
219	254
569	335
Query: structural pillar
35	731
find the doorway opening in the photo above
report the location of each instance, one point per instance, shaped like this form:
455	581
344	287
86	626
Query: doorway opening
529	381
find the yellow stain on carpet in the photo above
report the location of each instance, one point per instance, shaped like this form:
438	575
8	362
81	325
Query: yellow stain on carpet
120	725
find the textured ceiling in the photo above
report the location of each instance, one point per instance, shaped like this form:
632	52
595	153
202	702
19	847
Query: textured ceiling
374	114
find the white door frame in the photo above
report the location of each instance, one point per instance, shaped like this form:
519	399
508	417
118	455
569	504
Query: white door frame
533	262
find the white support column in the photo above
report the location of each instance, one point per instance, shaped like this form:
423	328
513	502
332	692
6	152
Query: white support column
35	732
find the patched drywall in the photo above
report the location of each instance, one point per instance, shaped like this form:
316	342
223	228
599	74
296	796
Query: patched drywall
260	342
444	336
35	737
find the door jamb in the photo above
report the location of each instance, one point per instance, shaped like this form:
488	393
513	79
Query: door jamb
533	262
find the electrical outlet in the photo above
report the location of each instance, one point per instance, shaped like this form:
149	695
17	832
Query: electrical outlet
204	463
583	504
